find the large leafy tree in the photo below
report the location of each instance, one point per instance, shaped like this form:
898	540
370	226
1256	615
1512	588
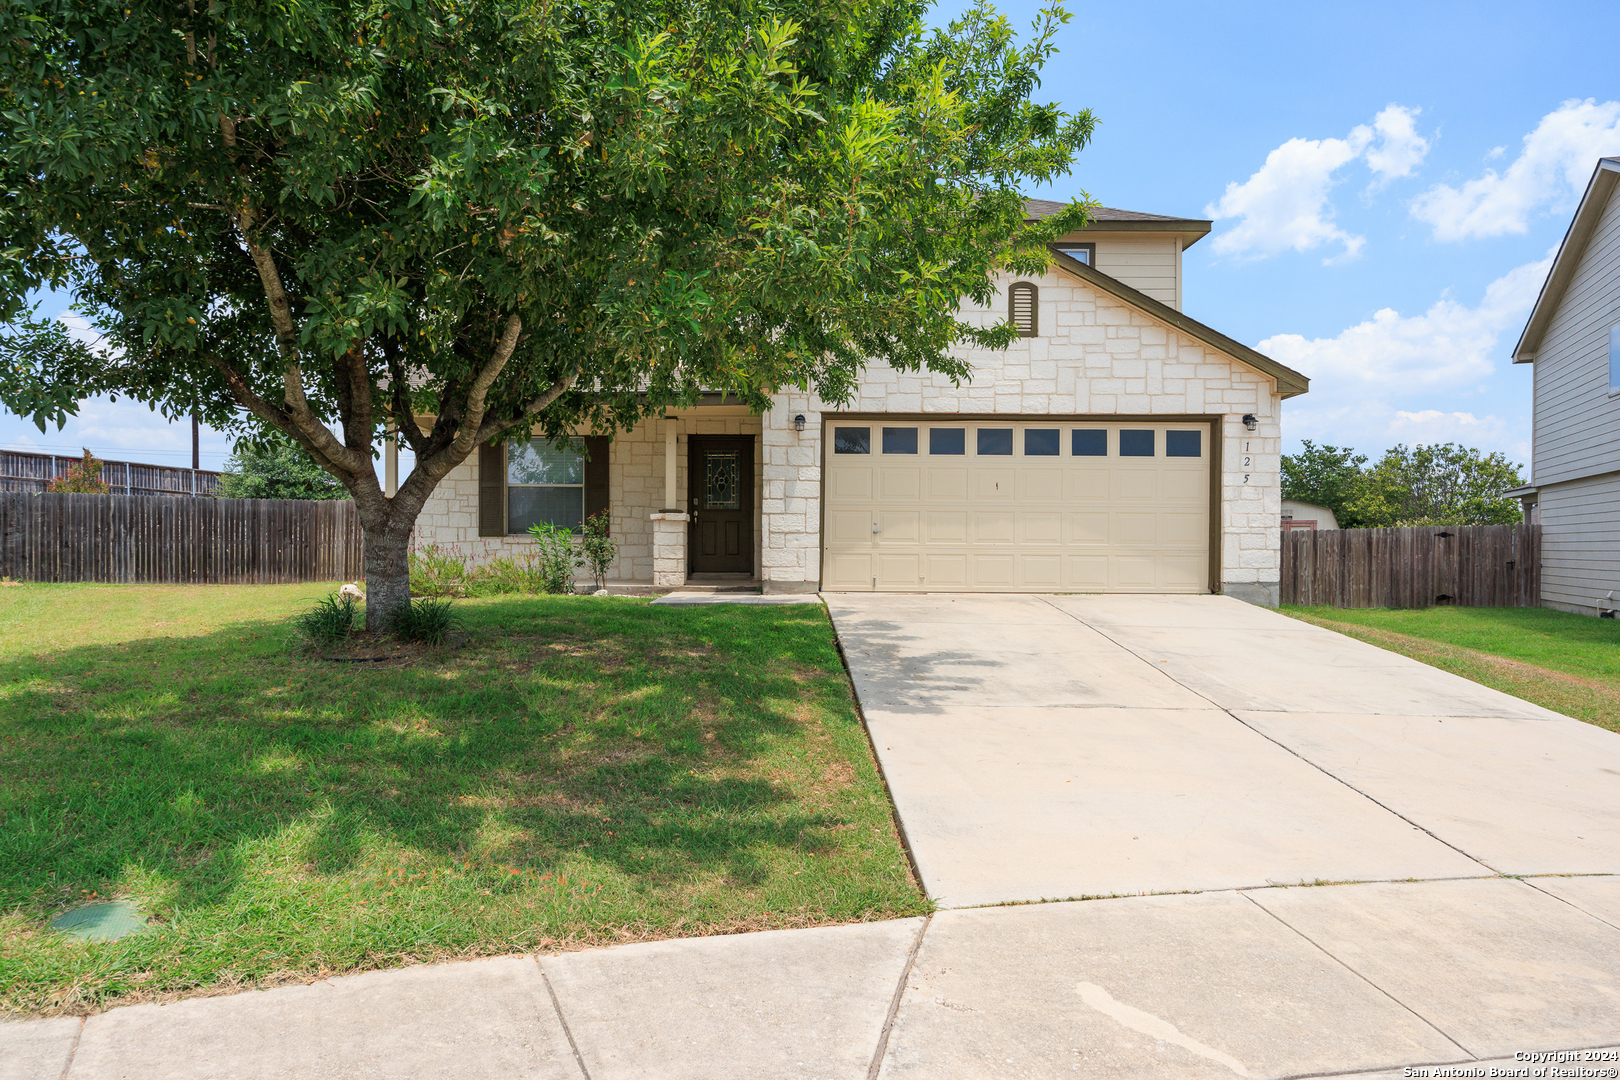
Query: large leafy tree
477	217
1443	484
1330	476
275	468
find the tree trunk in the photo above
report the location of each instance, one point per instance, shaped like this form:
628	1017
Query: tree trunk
388	575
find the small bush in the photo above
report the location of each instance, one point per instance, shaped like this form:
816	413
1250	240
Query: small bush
555	557
428	620
328	623
507	574
438	571
597	549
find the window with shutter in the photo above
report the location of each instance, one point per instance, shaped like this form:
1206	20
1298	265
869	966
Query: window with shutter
492	491
1023	301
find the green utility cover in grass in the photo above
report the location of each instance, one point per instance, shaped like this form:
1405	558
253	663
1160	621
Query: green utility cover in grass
101	922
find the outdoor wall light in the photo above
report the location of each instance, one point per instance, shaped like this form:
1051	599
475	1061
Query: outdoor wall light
798	422
1250	422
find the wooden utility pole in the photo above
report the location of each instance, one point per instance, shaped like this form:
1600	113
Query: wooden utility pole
196	443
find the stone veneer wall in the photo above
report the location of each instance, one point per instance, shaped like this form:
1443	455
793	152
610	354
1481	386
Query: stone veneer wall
635	486
1094	356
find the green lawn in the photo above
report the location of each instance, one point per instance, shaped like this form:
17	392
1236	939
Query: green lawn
583	771
1569	663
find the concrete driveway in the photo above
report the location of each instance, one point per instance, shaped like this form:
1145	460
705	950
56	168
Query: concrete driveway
1044	748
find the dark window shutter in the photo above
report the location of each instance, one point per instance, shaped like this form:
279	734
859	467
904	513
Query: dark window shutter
1023	308
492	491
596	473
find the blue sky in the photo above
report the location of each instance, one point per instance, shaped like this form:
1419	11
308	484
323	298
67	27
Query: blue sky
1388	181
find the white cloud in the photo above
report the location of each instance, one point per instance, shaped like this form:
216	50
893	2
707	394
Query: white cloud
1448	345
1554	166
1284	206
1400	149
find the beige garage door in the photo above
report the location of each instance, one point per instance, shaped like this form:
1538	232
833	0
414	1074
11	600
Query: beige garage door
962	505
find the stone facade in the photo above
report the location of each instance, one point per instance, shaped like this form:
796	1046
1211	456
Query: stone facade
1095	356
635	493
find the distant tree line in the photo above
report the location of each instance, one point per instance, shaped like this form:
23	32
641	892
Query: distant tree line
1446	484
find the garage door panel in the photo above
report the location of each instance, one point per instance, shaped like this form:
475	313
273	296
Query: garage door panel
1087	572
946	527
946	571
1088	528
1041	528
992	571
1182	573
1134	486
947	485
899	571
849	526
900	483
1042	571
1184	530
849	570
1133	530
939	516
1134	572
850	481
1180	485
899	527
1040	485
1086	485
993	526
993	485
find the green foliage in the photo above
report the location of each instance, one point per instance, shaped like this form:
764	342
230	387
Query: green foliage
437	570
328	623
1445	484
596	548
495	214
554	557
275	467
428	620
505	574
1329	476
83	478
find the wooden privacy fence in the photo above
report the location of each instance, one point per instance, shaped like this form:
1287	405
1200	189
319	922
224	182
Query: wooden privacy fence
1469	566
22	471
135	538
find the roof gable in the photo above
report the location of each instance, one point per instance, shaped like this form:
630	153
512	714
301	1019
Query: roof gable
1290	383
1599	190
1109	219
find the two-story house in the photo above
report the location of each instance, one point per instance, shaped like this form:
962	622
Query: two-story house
1573	339
1118	446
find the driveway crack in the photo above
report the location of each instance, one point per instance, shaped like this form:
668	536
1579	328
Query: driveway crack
1325	952
894	1005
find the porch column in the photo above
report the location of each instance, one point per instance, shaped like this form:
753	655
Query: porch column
669	524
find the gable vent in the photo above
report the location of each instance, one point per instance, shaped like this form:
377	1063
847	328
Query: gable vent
1023	304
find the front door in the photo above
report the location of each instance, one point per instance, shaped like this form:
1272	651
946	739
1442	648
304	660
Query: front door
720	482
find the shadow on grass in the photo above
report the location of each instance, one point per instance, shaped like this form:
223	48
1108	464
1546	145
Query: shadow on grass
672	751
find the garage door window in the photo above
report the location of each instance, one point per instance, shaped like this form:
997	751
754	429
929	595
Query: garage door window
1040	442
948	441
995	442
852	440
1136	443
899	440
1183	444
1089	442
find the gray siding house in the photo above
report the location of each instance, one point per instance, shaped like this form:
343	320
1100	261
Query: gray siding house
1573	339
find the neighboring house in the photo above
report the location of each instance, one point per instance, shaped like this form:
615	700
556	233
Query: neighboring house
1304	515
1117	446
1573	339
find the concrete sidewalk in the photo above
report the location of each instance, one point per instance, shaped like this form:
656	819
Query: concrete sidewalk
1274	982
